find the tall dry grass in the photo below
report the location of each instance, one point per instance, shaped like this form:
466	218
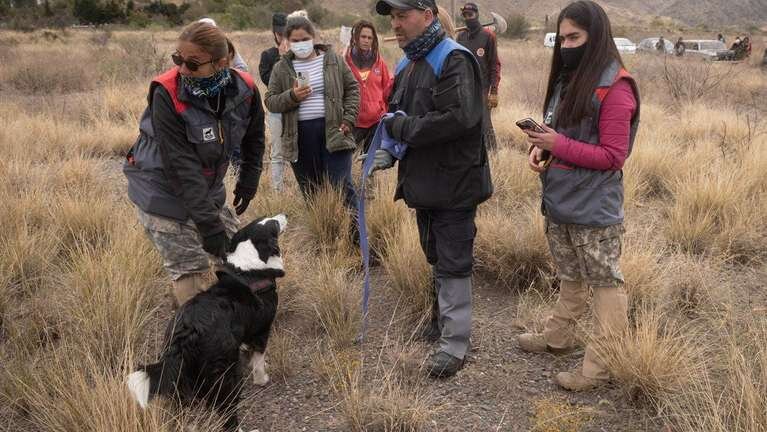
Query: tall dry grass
82	292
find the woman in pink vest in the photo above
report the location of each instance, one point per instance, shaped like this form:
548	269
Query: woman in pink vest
374	79
591	116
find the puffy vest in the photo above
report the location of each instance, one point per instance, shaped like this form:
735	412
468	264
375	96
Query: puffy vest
211	137
582	196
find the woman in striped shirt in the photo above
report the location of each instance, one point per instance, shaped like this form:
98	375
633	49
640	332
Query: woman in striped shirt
318	97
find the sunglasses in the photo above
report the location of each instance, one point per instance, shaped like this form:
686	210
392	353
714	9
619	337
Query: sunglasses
190	64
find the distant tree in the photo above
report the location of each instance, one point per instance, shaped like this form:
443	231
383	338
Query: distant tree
518	26
97	12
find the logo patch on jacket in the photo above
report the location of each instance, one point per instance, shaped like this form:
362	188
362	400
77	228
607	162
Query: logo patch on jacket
208	134
481	52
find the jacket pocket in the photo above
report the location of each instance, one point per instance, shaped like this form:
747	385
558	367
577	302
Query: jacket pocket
207	142
446	94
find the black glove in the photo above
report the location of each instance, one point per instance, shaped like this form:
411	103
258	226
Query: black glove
242	198
216	244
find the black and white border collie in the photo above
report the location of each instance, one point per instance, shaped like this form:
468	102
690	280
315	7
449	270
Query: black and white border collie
200	360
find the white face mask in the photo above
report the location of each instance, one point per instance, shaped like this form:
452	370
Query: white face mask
303	49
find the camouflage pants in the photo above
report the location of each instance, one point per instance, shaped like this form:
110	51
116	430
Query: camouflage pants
180	244
587	254
587	257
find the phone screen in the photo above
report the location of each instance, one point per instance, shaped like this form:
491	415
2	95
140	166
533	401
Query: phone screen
530	124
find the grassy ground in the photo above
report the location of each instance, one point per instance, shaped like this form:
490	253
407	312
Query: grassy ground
83	296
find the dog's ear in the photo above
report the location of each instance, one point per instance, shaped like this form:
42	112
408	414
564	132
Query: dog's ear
273	227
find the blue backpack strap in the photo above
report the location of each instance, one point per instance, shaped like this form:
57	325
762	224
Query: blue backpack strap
401	65
437	56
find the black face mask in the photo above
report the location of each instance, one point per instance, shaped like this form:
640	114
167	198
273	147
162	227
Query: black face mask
571	57
473	24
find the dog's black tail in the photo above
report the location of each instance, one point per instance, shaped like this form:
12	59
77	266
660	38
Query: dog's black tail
161	378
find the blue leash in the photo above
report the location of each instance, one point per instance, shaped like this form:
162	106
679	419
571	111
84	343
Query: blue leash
381	140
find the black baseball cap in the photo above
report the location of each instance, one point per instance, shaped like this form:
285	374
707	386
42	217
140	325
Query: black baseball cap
470	7
384	7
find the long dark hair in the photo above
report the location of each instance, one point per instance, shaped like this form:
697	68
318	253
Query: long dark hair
600	53
357	31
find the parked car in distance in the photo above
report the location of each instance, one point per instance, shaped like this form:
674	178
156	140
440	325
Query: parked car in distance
625	46
549	40
648	45
708	50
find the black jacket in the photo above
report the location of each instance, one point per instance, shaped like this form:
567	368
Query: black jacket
446	164
484	46
269	58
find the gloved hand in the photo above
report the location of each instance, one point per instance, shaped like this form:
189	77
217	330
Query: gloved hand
382	160
492	100
242	198
240	204
216	244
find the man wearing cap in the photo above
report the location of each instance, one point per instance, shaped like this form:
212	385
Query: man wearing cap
482	42
444	173
269	58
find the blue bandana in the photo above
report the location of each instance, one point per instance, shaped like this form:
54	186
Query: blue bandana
419	47
209	86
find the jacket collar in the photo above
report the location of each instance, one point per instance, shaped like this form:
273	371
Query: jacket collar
236	91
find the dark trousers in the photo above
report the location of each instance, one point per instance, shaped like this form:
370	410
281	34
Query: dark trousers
315	163
364	136
447	240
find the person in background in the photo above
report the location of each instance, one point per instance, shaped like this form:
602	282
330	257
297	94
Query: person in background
721	39
591	118
319	111
679	47
197	111
375	82
444	174
483	44
237	62
736	45
660	46
269	58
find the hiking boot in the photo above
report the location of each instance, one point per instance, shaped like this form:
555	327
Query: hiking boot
536	343
576	382
443	365
532	342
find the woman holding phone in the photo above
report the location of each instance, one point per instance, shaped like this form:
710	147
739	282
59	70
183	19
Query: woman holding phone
319	98
591	117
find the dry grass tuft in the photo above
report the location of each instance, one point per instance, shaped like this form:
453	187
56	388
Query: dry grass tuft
555	415
387	403
331	295
409	272
512	248
655	359
713	214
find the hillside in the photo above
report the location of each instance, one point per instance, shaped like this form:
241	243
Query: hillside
702	12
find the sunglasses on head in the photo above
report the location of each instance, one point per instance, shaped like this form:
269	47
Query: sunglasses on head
190	64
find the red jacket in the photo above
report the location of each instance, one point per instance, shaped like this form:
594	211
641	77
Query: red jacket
374	92
618	108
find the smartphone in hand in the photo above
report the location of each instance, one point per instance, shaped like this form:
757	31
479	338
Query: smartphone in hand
302	79
530	124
